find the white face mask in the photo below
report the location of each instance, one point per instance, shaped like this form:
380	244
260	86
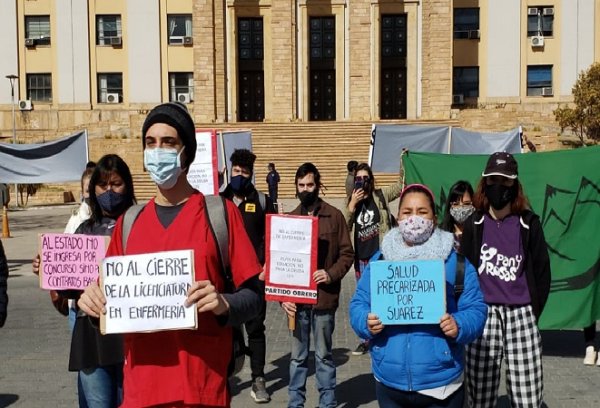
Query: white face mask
460	213
164	166
415	229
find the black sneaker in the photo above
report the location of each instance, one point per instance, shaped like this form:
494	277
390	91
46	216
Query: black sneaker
259	391
361	349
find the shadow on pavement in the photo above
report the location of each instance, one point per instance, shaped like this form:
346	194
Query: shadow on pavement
356	391
563	343
279	377
8	399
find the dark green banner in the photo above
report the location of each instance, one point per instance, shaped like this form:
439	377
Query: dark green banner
564	190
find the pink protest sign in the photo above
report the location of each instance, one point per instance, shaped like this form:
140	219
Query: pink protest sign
70	261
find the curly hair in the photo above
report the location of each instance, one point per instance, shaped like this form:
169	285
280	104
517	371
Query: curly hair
243	158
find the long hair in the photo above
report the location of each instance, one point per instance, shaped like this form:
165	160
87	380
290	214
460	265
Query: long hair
455	193
365	166
306	169
517	206
107	165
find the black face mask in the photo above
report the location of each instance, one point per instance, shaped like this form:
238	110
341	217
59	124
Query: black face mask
308	198
241	185
499	196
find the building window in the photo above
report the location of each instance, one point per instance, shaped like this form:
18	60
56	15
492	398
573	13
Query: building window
37	28
180	27
466	23
539	80
110	88
181	87
39	87
465	82
540	21
108	30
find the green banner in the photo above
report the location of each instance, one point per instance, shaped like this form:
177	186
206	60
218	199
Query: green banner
563	188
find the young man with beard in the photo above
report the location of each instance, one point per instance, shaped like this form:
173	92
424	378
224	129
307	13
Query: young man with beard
334	258
254	207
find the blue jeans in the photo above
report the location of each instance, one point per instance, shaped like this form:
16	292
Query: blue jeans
72	318
322	324
392	398
102	386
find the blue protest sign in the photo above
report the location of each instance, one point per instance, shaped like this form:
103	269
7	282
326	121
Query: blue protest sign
408	292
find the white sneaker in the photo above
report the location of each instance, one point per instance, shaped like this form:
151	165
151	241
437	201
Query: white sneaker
590	356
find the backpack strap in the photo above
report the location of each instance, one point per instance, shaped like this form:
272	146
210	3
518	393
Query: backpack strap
128	219
216	212
262	199
459	280
379	194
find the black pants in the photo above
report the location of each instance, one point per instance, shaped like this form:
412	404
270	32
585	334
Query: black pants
589	335
257	343
392	398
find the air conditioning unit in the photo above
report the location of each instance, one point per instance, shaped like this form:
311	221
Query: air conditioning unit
458	99
547	91
25	105
176	40
532	11
183	98
537	41
112	98
188	40
116	41
548	11
474	34
29	42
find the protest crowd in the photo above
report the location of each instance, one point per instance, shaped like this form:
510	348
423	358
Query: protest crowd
440	304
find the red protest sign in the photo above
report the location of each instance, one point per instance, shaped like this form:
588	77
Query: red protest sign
291	258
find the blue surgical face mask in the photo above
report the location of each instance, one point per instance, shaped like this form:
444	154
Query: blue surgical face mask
111	202
164	166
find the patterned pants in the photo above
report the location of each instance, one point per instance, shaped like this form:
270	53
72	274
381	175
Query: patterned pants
511	334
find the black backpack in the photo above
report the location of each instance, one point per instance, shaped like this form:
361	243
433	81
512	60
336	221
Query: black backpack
218	222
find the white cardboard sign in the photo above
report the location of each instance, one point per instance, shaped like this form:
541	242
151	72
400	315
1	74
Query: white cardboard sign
146	292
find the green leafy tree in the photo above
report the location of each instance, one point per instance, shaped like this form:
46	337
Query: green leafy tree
583	119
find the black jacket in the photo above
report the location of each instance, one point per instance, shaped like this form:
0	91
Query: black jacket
3	285
535	251
254	218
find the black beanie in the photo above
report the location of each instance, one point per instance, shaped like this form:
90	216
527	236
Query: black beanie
176	115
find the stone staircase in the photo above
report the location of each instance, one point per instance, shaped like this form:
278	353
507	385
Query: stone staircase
329	145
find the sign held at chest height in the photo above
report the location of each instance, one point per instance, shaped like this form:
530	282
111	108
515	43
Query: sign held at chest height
408	292
147	292
291	258
70	261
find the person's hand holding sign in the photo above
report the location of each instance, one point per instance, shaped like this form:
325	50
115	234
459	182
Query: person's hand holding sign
92	301
206	297
449	326
374	324
321	276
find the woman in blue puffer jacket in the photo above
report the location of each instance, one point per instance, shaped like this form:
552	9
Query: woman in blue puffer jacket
420	365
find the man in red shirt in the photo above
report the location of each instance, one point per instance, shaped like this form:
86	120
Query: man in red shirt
183	368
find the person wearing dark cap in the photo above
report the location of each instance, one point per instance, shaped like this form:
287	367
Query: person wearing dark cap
254	206
182	368
505	241
273	181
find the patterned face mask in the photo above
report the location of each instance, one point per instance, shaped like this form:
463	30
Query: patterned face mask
460	213
415	229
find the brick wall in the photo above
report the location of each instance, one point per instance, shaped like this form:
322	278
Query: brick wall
437	59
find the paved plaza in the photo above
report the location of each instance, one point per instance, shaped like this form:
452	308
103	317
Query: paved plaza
35	341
